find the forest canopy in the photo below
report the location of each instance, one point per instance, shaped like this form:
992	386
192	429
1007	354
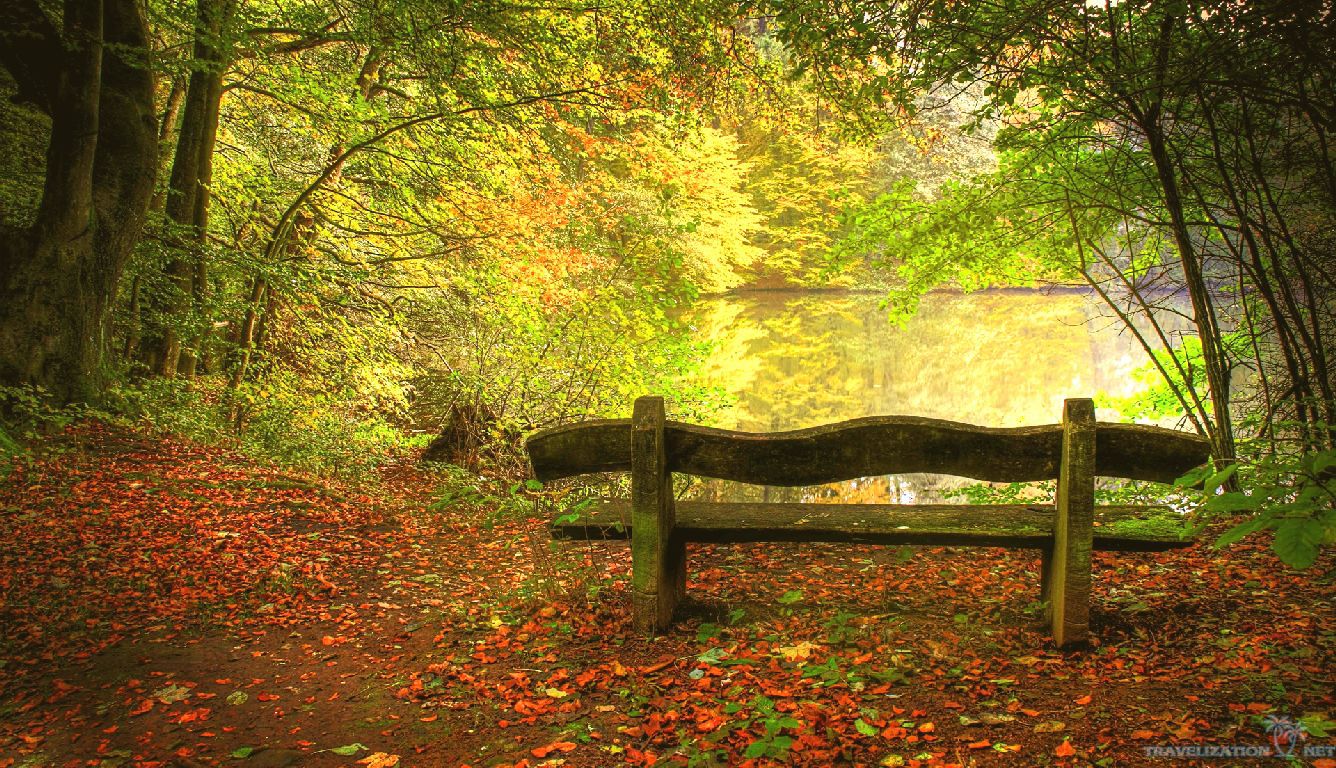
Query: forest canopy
317	229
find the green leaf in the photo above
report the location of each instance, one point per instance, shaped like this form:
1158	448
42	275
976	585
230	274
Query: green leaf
1297	541
1323	460
1317	725
348	749
1241	530
1233	501
1213	483
756	749
1193	476
241	753
864	728
791	597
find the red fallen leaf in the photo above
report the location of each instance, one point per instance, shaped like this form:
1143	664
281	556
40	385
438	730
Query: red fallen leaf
1065	749
266	696
143	707
428	719
1143	734
1084	700
984	744
556	746
656	667
1258	707
327	640
1324	762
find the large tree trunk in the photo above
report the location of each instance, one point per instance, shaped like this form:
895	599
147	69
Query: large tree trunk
58	278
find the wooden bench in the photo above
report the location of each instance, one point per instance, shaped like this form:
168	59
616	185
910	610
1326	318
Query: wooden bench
1066	531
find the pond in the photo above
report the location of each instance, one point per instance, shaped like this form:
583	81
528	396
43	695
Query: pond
1001	358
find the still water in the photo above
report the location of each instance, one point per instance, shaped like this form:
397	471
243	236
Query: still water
1003	358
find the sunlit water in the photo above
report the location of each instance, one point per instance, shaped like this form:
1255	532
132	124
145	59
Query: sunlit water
1001	358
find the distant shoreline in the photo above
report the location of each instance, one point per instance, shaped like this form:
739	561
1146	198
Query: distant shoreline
833	291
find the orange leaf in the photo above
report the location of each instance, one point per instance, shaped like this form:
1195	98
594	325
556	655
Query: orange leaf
143	707
428	719
1143	734
1065	749
556	746
984	744
927	728
1084	700
380	760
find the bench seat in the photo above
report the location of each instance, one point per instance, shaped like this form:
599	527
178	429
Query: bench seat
1014	526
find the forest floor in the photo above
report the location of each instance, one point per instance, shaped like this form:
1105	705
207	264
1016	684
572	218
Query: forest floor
166	604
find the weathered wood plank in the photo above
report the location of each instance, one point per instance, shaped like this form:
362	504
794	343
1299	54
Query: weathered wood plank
657	566
866	447
597	445
1013	526
1142	452
1067	579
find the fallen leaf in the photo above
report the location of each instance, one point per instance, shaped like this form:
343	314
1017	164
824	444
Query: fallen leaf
556	746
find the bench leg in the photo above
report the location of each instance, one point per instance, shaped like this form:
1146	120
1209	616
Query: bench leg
657	555
678	559
1067	571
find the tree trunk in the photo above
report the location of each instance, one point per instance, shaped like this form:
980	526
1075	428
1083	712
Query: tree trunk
187	207
59	277
1203	308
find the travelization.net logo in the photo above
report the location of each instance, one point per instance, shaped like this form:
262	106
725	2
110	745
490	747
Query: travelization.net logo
1288	739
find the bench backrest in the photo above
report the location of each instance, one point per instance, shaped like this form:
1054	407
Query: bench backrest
878	445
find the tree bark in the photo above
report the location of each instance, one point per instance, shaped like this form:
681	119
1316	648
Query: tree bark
58	278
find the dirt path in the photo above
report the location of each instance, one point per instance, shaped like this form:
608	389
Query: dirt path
171	605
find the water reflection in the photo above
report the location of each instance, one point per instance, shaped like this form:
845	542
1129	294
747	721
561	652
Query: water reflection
996	358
